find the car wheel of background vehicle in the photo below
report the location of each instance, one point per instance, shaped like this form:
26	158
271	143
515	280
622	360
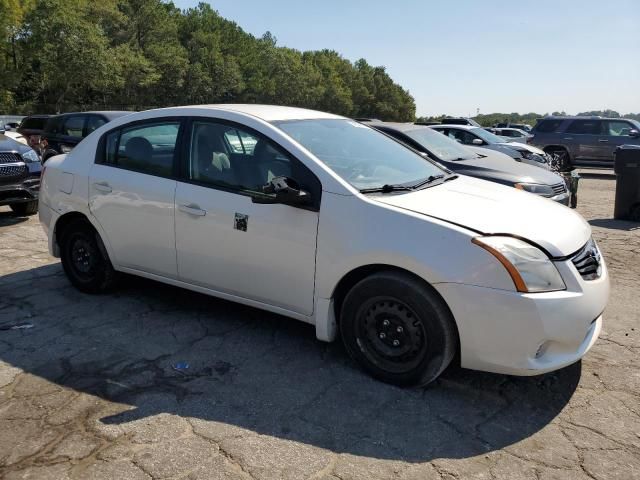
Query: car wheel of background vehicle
398	329
561	159
25	208
85	260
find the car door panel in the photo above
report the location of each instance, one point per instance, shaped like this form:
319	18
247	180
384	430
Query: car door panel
136	212
265	253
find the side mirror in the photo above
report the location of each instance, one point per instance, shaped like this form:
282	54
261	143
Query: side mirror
283	190
477	141
633	133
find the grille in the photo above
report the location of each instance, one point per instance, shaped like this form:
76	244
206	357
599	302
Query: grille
12	171
559	188
9	157
588	261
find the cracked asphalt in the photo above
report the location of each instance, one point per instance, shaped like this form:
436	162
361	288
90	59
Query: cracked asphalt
92	392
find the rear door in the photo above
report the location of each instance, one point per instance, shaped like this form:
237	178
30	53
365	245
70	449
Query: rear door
131	194
585	139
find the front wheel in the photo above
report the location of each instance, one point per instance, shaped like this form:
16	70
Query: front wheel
25	208
85	260
398	329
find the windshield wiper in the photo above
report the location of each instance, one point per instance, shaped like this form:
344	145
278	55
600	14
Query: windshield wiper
453	176
386	188
426	181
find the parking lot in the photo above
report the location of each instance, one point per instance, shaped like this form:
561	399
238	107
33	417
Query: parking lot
158	382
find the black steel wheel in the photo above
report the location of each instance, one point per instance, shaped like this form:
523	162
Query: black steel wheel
398	328
85	260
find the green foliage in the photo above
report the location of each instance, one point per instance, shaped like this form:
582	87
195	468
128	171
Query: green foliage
58	55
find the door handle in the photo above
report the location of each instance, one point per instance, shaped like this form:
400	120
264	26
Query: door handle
192	209
102	187
603	141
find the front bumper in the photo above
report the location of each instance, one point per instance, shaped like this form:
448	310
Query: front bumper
20	188
527	333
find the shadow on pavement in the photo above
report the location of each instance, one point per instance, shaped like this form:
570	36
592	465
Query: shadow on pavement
8	218
257	371
613	224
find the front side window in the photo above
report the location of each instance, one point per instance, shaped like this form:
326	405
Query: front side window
228	156
585	127
147	148
360	155
73	126
618	128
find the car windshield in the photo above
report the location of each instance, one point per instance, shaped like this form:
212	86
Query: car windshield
487	136
440	145
364	157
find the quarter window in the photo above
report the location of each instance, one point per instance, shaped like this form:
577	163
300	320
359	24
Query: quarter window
585	127
147	148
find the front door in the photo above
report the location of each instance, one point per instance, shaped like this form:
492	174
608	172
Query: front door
224	241
131	195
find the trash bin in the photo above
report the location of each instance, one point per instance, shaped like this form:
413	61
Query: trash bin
571	178
627	169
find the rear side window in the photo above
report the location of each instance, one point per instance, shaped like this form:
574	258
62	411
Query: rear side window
146	148
54	125
73	126
548	126
94	122
585	127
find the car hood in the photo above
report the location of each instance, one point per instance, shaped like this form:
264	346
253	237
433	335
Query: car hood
523	146
8	144
498	166
488	208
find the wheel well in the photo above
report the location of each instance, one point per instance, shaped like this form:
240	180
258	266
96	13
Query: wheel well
354	276
64	221
551	148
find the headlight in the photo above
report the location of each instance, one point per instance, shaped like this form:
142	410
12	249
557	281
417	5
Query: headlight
525	154
536	188
530	268
30	157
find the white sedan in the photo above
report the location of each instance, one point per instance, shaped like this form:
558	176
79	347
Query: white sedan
325	220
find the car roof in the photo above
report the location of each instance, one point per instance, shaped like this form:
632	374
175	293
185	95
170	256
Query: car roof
268	113
580	117
464	127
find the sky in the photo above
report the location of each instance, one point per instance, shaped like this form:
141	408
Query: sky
461	56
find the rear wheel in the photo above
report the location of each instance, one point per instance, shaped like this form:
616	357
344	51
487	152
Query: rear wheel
25	208
398	329
85	260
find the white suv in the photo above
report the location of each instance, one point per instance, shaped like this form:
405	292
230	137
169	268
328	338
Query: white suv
325	220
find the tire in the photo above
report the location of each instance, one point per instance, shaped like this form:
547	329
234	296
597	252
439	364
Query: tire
564	159
25	208
398	329
85	260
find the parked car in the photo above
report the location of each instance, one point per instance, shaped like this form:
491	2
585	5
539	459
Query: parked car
459	121
479	137
31	129
520	126
585	140
6	130
19	176
331	222
512	134
63	132
489	165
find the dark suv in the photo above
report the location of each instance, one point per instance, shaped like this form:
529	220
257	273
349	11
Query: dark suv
585	140
19	176
63	132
